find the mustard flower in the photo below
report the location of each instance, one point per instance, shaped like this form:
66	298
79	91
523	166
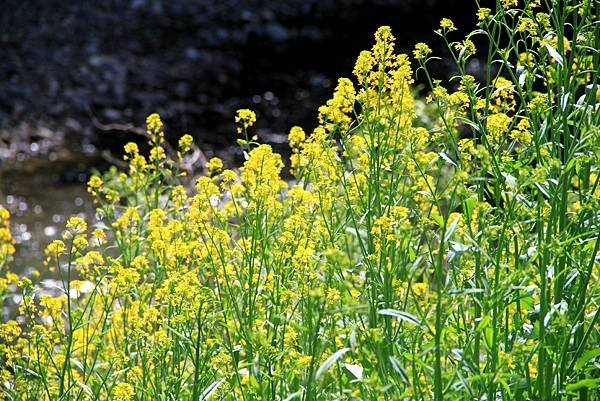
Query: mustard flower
76	224
504	98
384	44
526	24
123	392
154	124
544	20
466	47
522	132
214	165
131	148
185	142
95	185
447	25
55	248
4	215
421	51
364	64
99	235
483	13
335	112
246	118
80	243
509	3
157	153
296	136
497	125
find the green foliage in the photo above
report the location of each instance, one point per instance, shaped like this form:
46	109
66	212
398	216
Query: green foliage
455	258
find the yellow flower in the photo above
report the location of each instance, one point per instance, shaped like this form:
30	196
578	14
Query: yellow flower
55	248
296	136
467	47
334	114
447	25
483	13
157	153
497	125
76	225
214	165
363	65
421	51
522	132
123	392
95	185
509	3
131	148
99	235
384	45
185	142
246	118
154	124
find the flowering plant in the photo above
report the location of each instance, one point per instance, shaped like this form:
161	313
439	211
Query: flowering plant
450	259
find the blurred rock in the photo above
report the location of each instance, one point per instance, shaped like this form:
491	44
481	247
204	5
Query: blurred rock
193	61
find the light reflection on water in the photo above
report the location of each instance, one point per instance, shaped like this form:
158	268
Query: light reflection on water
41	197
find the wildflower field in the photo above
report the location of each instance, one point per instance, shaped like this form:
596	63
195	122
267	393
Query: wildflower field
437	249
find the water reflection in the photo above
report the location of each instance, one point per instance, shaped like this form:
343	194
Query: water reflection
41	195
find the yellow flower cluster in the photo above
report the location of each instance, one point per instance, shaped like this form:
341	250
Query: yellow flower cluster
421	51
401	257
7	242
335	114
245	118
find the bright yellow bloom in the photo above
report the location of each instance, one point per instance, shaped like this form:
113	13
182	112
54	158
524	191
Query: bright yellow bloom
245	118
447	25
214	165
95	185
76	225
421	51
497	125
55	248
185	142
154	124
483	13
123	392
296	136
509	3
363	65
131	148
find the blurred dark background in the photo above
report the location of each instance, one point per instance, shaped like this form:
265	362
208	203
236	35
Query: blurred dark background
70	70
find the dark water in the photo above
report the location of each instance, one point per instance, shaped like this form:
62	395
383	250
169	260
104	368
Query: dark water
41	195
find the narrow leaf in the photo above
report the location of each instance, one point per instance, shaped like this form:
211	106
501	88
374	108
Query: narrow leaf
355	370
211	389
407	317
586	357
554	54
330	361
585	383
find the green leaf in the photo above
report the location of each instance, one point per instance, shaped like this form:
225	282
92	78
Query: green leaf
585	383
211	389
407	317
330	361
554	54
399	369
355	370
586	357
87	390
484	323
